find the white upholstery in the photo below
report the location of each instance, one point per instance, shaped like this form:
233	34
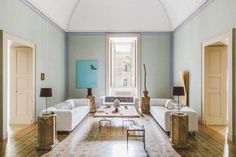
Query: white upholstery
134	103
162	115
69	113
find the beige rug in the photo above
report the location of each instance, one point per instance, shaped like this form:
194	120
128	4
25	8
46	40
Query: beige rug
87	141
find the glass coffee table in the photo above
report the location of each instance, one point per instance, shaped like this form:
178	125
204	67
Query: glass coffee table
107	112
136	131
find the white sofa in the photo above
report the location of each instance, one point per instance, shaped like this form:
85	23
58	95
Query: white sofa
124	100
69	113
160	112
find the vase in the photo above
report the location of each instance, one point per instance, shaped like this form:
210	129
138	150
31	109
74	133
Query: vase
145	93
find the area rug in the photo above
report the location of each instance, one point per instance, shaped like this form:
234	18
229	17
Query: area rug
87	141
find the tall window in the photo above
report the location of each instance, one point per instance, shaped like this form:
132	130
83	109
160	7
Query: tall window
123	74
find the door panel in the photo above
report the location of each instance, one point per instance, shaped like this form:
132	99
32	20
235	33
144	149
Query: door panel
215	85
21	108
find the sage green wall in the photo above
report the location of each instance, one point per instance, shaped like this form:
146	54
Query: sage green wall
1	84
155	53
87	47
18	19
217	18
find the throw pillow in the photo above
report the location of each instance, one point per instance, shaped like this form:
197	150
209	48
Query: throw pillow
59	106
71	103
172	105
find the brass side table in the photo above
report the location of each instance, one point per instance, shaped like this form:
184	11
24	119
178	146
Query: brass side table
92	104
179	130
145	105
47	134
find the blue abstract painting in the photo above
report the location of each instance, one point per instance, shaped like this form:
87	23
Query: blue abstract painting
86	73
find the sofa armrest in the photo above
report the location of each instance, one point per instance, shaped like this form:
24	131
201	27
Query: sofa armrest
136	103
102	100
158	102
64	120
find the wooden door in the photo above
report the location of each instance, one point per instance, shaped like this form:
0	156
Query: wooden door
21	104
216	85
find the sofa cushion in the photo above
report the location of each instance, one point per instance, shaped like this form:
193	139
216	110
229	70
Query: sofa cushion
79	102
66	105
158	102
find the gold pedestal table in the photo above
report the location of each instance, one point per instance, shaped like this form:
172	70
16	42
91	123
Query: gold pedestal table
92	104
179	130
145	105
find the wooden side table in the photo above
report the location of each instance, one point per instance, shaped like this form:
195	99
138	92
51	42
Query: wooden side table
92	104
145	105
47	134
179	130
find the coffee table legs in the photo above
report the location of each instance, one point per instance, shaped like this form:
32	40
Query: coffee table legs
127	120
104	120
132	135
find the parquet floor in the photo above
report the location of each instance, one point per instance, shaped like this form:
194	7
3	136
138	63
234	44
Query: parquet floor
206	143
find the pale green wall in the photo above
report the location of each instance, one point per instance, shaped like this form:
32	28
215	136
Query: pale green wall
1	83
217	18
155	53
87	47
20	20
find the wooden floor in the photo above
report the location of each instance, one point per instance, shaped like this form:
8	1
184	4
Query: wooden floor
23	143
199	147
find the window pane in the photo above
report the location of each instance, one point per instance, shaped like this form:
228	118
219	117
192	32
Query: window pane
123	67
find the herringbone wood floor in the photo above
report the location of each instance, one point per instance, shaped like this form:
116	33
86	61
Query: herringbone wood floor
206	143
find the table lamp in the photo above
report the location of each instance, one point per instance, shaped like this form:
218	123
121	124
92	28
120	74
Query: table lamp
46	92
178	91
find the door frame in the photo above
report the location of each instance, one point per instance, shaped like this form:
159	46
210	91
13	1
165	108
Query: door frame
227	39
7	37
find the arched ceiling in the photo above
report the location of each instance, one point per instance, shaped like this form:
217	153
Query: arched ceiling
117	15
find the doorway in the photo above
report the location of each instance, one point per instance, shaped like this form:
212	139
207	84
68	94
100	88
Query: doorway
18	84
216	87
21	90
217	84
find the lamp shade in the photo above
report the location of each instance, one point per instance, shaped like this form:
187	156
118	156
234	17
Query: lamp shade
46	92
178	91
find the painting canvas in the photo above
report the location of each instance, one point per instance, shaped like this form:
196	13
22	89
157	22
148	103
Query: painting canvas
86	73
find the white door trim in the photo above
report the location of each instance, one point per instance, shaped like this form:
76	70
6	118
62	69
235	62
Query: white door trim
227	39
6	80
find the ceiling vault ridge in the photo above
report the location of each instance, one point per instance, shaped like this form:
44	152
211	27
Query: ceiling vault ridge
72	13
43	14
198	9
167	15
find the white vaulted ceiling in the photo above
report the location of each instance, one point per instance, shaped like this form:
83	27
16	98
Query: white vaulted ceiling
117	15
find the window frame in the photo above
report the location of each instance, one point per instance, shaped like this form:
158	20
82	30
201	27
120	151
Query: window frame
108	61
